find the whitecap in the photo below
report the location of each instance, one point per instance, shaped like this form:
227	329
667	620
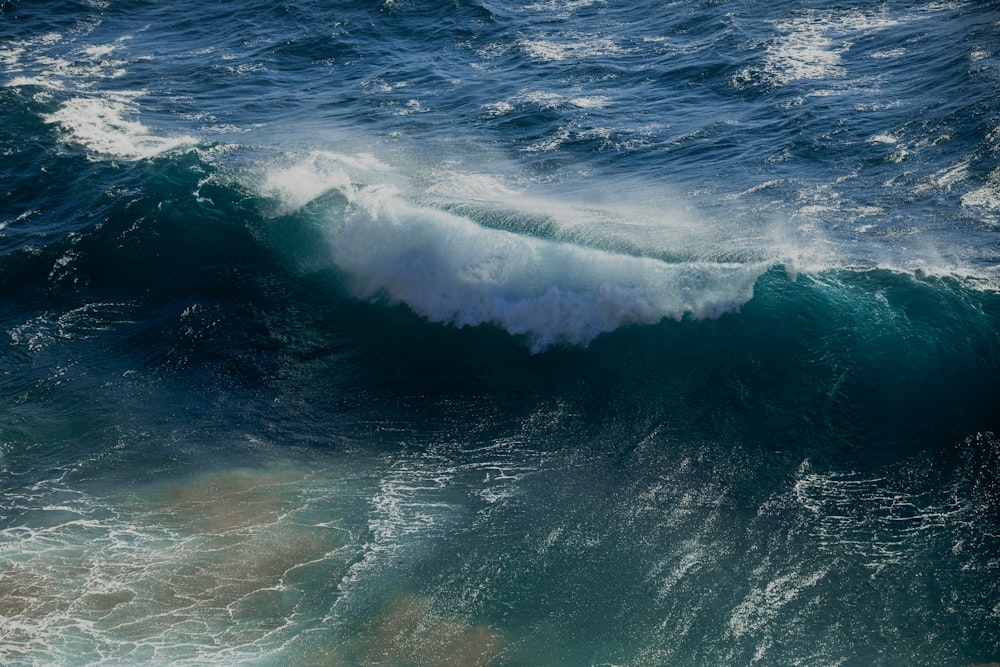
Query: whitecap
297	183
569	46
811	47
451	270
100	125
590	102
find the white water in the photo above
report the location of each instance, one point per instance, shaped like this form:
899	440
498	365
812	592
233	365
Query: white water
449	269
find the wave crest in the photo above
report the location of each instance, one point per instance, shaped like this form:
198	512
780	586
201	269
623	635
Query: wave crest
449	269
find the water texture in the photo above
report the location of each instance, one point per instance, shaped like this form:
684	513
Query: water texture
495	333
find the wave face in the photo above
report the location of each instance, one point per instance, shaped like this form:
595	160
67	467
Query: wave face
499	333
449	269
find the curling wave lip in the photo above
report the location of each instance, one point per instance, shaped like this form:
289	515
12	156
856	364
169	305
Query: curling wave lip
450	270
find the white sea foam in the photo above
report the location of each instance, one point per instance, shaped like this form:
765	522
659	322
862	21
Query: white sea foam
986	197
101	126
884	138
549	143
188	571
9	56
890	53
979	54
804	51
449	269
296	184
79	323
590	102
946	178
465	186
812	46
569	46
543	100
498	108
42	69
845	510
559	8
36	81
763	604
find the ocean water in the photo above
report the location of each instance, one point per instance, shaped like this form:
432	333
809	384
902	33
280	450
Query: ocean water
500	332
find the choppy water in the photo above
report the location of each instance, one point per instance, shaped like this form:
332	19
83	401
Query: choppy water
500	333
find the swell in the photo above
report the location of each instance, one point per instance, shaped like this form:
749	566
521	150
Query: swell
192	378
181	268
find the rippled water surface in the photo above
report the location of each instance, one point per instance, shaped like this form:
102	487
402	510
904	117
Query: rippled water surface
499	333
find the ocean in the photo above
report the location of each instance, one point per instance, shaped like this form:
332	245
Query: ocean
500	333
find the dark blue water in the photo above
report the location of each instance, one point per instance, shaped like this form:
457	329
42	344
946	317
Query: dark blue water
500	333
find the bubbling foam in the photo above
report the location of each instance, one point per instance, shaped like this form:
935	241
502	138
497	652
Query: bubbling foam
449	269
101	126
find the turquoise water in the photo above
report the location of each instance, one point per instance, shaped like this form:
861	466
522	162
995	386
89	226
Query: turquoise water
499	333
